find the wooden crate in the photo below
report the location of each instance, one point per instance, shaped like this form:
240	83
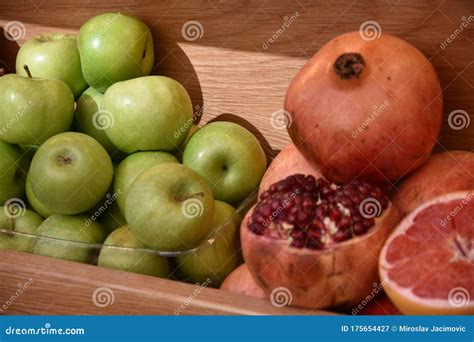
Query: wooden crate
238	71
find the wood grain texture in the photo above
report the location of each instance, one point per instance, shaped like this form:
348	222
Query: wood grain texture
236	71
61	287
229	70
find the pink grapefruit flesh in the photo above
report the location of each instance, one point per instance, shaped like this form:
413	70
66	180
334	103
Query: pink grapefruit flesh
427	264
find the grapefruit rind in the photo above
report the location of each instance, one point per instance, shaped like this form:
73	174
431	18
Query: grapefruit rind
405	300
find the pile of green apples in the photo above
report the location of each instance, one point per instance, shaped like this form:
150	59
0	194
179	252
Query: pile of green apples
101	162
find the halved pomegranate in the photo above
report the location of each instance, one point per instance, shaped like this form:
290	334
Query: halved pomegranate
318	240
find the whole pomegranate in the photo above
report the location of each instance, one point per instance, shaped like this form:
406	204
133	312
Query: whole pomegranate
443	173
318	241
288	162
241	281
364	109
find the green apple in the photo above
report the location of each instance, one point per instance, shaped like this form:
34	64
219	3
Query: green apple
132	167
114	47
37	206
12	172
53	56
218	256
229	157
33	110
90	120
147	114
70	173
73	238
123	251
169	207
18	220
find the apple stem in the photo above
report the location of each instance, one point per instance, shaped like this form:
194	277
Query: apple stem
27	71
184	198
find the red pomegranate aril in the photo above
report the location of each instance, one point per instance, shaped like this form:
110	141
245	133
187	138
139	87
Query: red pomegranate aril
359	229
314	213
368	222
302	217
275	204
340	236
266	210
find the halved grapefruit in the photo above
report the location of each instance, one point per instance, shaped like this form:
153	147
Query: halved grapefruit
427	263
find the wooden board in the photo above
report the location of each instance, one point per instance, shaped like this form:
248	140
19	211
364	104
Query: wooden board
240	68
61	287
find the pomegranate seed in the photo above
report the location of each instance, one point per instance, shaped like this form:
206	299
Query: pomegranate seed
310	211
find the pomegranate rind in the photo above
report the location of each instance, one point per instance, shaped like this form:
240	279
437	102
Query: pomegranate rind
341	276
241	281
286	163
334	123
404	299
442	173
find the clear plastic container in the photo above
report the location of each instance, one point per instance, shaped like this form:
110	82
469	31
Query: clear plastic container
89	252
